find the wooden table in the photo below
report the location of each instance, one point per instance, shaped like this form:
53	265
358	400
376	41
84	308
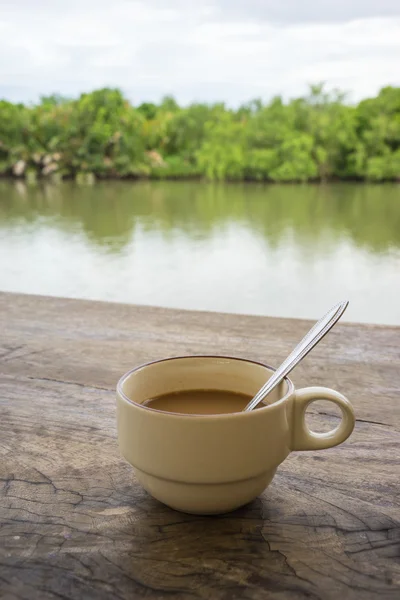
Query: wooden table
76	525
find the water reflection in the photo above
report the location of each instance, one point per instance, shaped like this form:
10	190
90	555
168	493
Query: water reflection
108	213
279	250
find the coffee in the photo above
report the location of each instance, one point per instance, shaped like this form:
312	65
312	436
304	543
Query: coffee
200	402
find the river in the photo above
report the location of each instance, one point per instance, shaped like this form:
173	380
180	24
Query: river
289	251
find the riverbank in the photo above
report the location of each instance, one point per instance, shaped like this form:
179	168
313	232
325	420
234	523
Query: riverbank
101	135
92	179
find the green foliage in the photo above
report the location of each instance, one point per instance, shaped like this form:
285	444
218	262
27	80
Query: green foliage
222	154
315	138
260	162
175	167
296	162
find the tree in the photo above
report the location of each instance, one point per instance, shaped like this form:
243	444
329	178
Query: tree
315	137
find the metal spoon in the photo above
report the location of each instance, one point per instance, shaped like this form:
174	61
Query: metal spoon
311	339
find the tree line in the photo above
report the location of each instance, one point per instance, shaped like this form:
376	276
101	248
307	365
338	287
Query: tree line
318	137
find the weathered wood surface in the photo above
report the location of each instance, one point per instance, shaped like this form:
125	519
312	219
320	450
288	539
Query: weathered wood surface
75	524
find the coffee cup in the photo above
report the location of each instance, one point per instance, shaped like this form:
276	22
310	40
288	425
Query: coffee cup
215	463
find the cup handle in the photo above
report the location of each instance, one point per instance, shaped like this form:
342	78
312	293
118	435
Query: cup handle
305	439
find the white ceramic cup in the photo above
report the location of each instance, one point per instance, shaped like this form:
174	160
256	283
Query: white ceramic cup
210	464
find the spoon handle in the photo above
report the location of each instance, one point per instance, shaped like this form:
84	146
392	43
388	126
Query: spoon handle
311	339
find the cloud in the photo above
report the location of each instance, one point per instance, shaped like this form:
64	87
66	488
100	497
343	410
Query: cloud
311	11
216	50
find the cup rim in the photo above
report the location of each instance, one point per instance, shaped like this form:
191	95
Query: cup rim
122	380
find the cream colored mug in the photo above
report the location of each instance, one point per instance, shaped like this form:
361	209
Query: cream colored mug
210	464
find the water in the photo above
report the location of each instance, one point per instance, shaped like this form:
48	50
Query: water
289	251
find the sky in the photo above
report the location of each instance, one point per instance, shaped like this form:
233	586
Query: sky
204	50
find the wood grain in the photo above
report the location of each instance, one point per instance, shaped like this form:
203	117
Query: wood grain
75	524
